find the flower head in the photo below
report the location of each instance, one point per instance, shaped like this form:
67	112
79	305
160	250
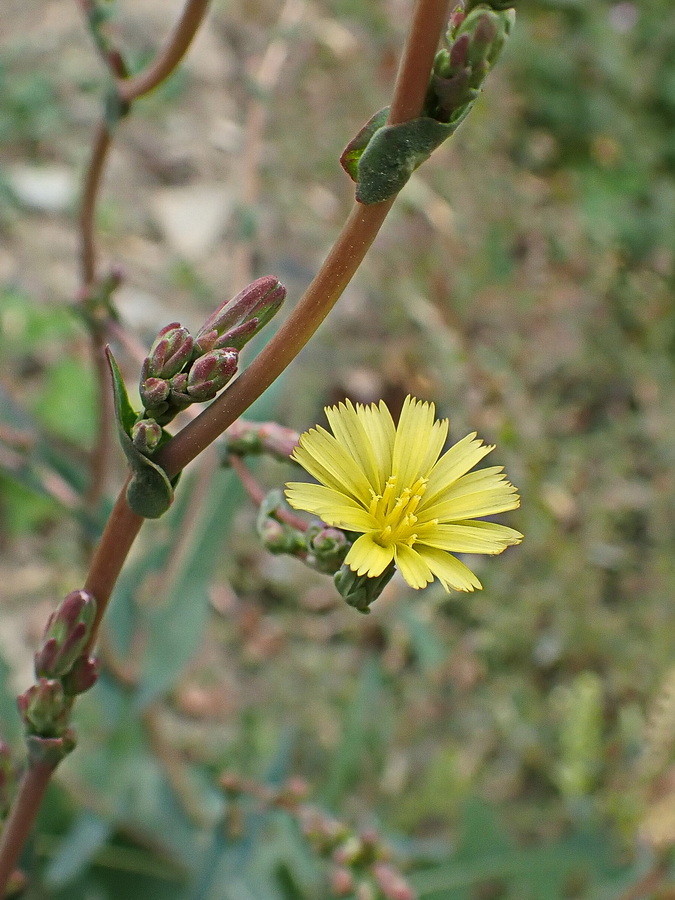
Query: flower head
409	504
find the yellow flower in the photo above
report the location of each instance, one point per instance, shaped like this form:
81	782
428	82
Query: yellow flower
410	506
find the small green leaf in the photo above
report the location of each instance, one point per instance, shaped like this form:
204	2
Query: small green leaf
150	492
354	149
395	151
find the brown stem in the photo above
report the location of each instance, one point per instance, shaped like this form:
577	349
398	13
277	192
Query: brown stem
358	233
20	822
99	153
118	536
169	56
101	452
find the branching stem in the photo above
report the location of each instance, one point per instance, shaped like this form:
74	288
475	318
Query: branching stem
357	235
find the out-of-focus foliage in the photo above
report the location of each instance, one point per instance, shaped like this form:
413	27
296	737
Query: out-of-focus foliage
524	282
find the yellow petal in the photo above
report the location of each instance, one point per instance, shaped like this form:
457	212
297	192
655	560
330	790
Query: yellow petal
452	573
351	434
379	424
413	567
413	435
454	463
472	537
334	507
365	557
327	460
475	504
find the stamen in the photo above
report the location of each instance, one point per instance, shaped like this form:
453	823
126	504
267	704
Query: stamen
396	514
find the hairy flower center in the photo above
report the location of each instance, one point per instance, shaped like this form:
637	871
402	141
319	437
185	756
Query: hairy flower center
395	513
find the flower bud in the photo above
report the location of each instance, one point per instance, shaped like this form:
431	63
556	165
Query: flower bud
171	350
391	883
66	634
235	322
341	882
82	676
350	853
210	373
146	435
45	709
476	39
360	591
154	392
327	548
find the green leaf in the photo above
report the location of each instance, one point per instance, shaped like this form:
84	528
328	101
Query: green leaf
354	149
395	151
150	492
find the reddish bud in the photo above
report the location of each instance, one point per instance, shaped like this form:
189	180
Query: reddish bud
154	392
341	881
171	350
391	883
66	634
82	676
210	373
256	304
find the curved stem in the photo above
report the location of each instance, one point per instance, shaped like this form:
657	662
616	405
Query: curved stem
99	153
116	541
169	56
20	822
356	237
101	451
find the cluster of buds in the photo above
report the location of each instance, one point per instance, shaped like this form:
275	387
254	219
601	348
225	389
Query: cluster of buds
319	546
360	864
476	37
181	369
63	669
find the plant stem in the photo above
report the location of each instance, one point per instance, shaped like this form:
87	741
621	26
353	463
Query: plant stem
169	56
128	90
356	237
20	822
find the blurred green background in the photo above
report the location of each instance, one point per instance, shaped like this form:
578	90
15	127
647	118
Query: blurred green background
524	283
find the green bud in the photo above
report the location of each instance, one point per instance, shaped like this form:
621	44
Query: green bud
146	435
277	536
326	548
45	709
476	38
360	591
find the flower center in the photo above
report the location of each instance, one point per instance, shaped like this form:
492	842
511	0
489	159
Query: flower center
395	512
